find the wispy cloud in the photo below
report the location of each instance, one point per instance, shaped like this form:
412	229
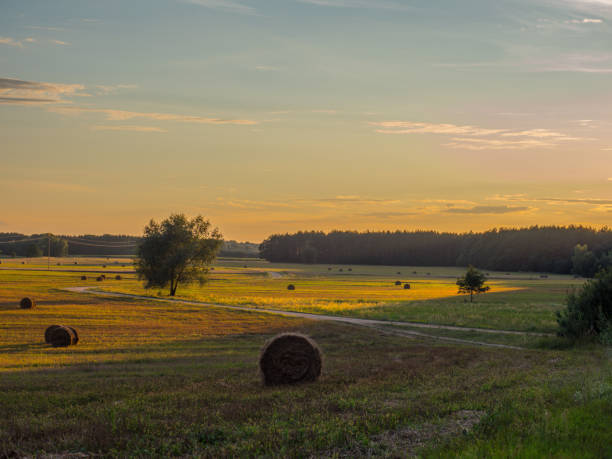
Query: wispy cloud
224	5
553	201
124	115
595	201
477	138
364	4
11	42
267	68
487	210
410	127
585	21
468	143
107	89
353	199
127	127
19	92
47	185
52	29
28	40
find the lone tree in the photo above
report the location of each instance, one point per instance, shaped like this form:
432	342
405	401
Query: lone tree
472	282
177	250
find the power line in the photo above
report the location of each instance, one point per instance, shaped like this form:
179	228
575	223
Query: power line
103	245
90	241
23	240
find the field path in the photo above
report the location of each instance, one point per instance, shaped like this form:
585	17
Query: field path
385	326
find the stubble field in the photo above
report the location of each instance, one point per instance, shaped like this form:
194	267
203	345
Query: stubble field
150	378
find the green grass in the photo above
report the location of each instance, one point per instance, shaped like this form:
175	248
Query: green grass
152	379
520	301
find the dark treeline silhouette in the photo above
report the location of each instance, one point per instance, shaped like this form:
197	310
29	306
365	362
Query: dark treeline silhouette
538	248
37	245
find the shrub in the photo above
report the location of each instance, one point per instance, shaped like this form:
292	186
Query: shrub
589	311
290	287
83	277
99	278
407	286
398	282
117	277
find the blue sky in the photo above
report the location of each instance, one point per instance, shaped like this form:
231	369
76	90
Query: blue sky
271	116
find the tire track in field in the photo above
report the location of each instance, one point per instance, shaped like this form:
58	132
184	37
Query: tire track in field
384	326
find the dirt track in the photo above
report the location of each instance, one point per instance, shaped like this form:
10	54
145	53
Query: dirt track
384	326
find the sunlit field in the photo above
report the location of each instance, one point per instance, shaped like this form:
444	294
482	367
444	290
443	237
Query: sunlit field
154	379
517	301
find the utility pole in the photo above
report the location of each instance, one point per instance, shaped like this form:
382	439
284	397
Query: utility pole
48	251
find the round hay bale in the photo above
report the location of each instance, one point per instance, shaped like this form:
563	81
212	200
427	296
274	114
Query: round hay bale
83	277
290	287
49	331
407	286
398	282
62	336
290	358
76	335
118	277
27	303
99	278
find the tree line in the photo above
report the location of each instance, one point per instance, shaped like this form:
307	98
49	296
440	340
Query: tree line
36	245
538	248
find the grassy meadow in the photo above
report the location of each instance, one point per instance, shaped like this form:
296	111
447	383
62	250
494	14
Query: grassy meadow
155	379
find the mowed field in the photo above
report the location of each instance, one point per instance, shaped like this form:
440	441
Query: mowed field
155	379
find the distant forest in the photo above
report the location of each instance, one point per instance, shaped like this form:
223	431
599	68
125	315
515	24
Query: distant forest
37	245
553	249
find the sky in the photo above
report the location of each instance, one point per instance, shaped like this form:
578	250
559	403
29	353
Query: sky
278	116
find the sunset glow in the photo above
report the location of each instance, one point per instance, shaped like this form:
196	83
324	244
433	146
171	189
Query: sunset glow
278	116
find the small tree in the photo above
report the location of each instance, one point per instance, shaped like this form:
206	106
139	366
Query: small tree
472	282
589	311
177	250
